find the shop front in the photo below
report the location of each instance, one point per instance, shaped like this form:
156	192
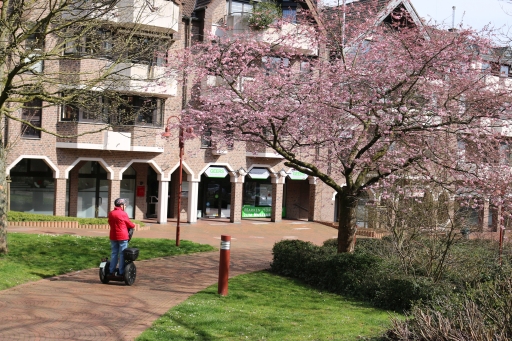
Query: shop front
215	193
32	187
257	195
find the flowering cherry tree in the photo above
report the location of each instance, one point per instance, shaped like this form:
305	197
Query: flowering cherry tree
358	104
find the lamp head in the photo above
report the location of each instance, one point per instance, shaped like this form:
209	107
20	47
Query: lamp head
167	132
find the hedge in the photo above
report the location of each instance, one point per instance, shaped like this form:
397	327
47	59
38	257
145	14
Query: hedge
23	216
359	275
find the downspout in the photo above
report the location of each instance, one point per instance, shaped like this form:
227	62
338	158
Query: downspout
343	27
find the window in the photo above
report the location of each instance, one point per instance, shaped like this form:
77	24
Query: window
206	141
137	110
289	9
31	113
69	113
290	14
35	41
501	70
149	51
134	110
238	8
99	43
271	64
505	153
34	64
95	111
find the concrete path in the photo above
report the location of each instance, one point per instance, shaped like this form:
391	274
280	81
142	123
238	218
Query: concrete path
77	306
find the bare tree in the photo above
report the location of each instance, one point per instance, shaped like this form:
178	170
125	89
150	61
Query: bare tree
70	54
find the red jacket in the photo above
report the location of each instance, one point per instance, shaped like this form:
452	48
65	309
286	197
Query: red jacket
119	224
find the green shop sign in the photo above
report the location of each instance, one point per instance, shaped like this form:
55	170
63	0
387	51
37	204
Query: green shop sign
216	172
296	175
258	212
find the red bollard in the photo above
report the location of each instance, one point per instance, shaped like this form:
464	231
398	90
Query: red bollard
225	246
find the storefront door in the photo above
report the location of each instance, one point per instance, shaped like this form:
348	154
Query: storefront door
215	200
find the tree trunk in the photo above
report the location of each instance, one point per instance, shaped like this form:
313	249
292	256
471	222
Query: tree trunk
3	202
347	208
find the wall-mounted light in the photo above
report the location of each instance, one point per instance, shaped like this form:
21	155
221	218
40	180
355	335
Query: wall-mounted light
283	173
242	171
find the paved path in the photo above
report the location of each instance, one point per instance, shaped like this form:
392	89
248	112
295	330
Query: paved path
77	306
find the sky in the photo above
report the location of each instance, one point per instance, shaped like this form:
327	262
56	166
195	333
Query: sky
473	13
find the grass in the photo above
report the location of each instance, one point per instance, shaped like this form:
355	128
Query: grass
263	306
35	256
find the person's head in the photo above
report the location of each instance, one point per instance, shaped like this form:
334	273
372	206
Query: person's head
120	202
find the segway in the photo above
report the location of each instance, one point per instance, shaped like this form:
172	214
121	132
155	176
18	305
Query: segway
130	271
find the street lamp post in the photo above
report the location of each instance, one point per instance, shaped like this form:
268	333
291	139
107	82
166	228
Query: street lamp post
181	145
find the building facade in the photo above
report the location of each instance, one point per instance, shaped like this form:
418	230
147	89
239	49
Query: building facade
81	176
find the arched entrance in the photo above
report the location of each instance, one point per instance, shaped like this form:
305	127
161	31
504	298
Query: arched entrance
93	190
32	188
257	194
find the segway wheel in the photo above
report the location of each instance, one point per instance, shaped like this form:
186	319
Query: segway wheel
103	274
130	272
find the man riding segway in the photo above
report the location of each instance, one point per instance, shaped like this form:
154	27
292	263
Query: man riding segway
121	231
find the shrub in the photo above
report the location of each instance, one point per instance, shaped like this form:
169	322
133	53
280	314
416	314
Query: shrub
483	313
363	274
359	275
373	272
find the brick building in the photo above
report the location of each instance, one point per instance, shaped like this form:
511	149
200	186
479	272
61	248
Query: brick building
81	176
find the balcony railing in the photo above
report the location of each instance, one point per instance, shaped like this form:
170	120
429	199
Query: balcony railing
134	139
238	23
152	14
145	79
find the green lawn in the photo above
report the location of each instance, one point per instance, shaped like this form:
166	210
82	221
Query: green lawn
262	306
35	256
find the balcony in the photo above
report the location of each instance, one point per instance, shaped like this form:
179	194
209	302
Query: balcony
155	15
299	34
131	139
502	127
260	151
144	79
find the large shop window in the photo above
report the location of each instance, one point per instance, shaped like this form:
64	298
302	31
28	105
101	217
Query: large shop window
32	187
32	112
257	197
93	189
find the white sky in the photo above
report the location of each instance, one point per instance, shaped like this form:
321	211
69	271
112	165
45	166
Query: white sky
473	13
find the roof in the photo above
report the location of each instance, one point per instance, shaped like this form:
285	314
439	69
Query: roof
400	13
189	6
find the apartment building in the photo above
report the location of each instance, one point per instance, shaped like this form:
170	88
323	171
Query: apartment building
81	176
